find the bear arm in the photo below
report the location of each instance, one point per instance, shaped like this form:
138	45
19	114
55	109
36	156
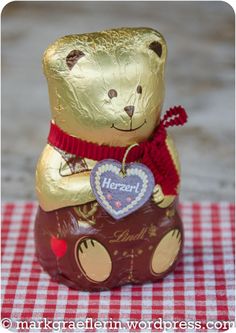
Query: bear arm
55	191
173	152
157	193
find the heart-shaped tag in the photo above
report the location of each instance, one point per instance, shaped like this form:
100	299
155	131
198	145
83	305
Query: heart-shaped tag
120	194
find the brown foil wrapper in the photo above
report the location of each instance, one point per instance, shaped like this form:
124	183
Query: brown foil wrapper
102	253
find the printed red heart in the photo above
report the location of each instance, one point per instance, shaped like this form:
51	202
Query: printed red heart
58	246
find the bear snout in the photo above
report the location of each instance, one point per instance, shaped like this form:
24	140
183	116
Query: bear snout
129	110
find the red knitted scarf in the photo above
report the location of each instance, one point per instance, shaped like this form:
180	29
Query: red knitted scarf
153	153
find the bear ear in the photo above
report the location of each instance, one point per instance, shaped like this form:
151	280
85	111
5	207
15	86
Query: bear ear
73	57
156	47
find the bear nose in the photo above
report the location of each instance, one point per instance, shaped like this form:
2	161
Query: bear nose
129	110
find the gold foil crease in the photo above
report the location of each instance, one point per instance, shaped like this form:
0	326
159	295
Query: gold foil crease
55	191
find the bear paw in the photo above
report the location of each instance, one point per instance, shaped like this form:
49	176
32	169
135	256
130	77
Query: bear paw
93	260
166	252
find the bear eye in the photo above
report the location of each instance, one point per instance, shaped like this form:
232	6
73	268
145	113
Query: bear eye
112	93
139	89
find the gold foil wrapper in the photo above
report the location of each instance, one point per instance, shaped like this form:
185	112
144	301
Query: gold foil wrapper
106	88
119	60
55	191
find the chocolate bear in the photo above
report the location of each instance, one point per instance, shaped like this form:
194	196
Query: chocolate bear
106	91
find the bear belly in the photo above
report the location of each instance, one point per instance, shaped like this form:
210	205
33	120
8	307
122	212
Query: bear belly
85	248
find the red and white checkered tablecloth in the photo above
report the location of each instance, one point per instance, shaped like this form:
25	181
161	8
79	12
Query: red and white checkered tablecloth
200	289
